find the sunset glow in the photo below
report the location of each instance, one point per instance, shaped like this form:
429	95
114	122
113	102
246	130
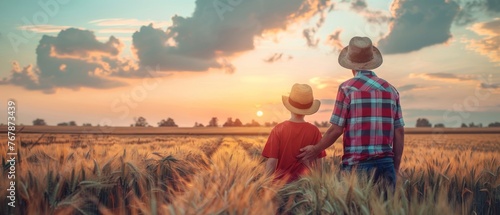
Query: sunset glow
192	61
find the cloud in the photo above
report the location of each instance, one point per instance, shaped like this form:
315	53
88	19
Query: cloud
126	26
408	87
123	30
216	32
310	33
371	16
334	40
418	24
43	28
72	59
358	5
489	45
490	86
443	76
277	57
470	9
322	83
129	22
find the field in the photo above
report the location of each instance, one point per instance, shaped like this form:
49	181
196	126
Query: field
223	174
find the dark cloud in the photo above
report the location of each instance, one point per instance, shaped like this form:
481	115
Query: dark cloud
493	5
310	33
418	24
72	59
408	87
217	31
371	16
377	17
277	57
334	40
490	86
471	9
82	43
358	5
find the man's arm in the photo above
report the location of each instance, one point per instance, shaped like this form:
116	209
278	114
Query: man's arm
312	151
399	142
271	165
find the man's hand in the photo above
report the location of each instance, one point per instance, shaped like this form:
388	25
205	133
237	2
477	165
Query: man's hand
309	153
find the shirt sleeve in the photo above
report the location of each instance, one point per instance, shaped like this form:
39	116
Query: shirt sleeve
341	108
398	117
271	149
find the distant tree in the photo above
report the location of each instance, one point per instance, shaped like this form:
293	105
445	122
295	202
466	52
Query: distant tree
140	122
213	122
439	125
167	123
229	122
423	122
237	123
39	122
463	125
196	124
72	123
63	124
472	125
253	124
494	124
87	124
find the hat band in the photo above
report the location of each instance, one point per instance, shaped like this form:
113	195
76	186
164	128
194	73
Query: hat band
299	105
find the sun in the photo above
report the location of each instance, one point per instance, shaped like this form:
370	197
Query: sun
260	113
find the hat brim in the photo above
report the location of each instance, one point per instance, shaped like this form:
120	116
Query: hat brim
313	109
372	64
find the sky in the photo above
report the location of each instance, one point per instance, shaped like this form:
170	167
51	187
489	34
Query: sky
108	62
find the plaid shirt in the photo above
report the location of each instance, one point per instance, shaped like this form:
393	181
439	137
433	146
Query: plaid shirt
368	108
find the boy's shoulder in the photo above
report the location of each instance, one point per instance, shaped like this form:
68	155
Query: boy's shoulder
287	124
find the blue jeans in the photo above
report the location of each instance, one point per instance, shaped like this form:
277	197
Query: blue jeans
383	167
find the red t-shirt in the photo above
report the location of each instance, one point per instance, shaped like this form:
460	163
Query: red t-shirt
284	143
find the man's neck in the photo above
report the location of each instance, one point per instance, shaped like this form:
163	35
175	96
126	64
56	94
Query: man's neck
360	72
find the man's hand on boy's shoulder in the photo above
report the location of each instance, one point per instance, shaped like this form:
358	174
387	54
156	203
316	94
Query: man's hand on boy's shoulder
308	154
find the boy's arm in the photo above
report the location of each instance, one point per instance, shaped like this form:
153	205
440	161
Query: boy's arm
271	165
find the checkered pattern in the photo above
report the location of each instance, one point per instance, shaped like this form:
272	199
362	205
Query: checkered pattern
368	108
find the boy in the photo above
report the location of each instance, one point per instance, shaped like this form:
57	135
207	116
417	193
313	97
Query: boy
288	137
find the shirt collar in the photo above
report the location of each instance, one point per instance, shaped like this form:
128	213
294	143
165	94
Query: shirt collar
365	73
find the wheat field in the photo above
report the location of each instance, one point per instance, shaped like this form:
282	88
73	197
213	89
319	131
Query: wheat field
224	174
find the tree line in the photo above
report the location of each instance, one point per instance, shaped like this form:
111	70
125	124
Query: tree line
423	122
214	122
169	122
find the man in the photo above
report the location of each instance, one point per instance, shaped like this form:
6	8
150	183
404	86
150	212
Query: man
367	112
